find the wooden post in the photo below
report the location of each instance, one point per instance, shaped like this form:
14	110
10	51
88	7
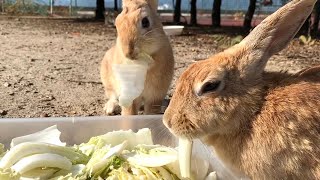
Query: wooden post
193	12
315	28
216	13
177	11
305	29
76	7
51	6
100	9
115	5
249	15
70	8
2	5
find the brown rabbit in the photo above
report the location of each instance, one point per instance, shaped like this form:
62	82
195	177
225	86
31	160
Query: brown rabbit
139	30
264	125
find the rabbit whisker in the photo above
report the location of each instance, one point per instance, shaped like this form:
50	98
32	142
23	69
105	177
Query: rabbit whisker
148	32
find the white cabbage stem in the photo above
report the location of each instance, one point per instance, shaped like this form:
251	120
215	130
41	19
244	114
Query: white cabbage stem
185	150
49	135
42	160
153	158
39	174
212	176
29	148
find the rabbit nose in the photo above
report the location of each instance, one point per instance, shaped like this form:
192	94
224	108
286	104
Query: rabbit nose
134	54
131	51
167	121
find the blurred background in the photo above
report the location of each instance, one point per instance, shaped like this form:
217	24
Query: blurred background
193	12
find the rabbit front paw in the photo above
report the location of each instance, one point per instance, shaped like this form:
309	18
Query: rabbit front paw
112	107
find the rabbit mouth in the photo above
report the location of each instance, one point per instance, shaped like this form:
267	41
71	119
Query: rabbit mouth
185	132
188	135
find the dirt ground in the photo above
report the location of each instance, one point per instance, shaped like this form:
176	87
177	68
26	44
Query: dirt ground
50	68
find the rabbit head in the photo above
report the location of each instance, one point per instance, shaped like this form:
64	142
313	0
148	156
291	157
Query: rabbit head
221	94
139	28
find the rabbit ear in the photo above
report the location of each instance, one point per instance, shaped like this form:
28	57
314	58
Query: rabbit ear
124	3
273	34
153	4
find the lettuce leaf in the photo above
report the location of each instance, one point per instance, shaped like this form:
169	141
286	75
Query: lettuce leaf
100	161
143	136
8	174
41	160
117	155
115	163
212	176
199	168
39	173
50	135
96	157
151	155
2	151
77	173
139	172
30	148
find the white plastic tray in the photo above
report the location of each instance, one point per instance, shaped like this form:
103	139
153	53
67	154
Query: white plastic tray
76	130
173	30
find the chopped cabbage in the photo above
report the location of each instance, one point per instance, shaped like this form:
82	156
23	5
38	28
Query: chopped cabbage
143	136
30	148
117	155
152	156
39	174
42	160
9	174
212	176
2	151
49	135
185	149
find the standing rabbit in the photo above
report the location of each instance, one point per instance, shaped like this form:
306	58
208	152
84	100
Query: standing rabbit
139	30
261	124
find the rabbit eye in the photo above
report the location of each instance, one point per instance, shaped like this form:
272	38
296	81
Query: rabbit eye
209	87
145	22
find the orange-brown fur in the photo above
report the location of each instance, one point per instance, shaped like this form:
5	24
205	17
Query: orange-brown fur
265	125
130	41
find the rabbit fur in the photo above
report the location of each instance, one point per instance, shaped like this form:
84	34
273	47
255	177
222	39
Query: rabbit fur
265	125
132	39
